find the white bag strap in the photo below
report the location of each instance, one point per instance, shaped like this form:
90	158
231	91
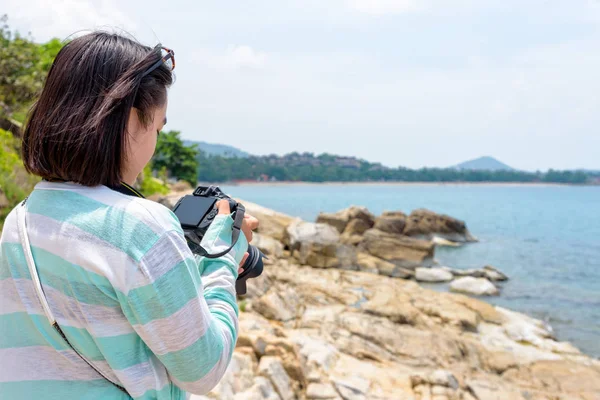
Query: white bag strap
31	264
22	227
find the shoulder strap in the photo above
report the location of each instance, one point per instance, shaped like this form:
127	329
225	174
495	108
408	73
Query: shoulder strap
22	228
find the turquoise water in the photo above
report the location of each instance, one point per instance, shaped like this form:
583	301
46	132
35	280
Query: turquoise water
546	238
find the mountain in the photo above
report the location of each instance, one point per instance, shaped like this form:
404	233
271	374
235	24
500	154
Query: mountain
214	149
484	164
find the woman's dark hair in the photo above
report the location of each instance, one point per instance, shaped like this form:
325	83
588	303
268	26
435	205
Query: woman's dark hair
77	129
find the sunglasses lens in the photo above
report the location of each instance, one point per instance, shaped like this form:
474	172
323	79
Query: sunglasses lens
167	57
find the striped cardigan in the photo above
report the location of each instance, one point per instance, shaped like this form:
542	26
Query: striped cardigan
126	291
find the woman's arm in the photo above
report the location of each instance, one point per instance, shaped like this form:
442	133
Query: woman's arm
187	313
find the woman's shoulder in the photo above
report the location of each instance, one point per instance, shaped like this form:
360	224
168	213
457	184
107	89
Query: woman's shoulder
102	206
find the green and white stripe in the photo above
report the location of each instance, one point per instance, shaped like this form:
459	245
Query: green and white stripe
127	292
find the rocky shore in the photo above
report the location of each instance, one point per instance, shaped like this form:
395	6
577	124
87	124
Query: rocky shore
339	314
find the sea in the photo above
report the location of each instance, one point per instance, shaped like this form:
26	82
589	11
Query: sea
546	238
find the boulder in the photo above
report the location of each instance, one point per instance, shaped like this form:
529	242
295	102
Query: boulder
271	368
336	220
493	274
402	251
318	245
475	273
340	219
261	390
376	265
432	275
427	224
475	286
279	305
391	222
268	245
357	226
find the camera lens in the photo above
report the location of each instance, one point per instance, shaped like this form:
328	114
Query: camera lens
253	267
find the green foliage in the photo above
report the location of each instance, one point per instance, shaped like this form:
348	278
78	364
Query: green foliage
327	168
23	68
15	183
149	185
179	160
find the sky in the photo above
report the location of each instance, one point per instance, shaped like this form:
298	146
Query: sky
402	82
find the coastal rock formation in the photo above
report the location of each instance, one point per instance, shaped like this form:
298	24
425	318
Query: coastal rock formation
475	286
342	327
310	333
427	224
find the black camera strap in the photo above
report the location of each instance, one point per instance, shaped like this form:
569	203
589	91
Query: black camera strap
235	235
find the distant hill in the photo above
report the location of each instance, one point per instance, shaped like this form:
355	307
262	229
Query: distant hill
214	149
484	164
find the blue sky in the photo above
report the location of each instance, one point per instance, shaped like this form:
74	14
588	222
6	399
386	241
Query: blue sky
402	82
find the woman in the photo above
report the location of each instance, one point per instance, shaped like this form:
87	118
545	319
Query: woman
137	314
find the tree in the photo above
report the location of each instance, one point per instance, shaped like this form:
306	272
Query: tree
23	68
179	160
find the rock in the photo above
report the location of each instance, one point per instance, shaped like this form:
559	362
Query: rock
356	226
391	222
438	241
427	224
402	251
239	376
376	265
261	390
352	389
475	273
488	390
271	368
318	245
443	378
321	391
493	274
432	275
280	305
475	286
336	220
271	223
300	232
268	245
341	219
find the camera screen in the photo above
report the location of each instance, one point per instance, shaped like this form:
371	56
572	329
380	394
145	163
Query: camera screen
192	209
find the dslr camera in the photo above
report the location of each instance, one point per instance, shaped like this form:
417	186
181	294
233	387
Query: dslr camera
197	211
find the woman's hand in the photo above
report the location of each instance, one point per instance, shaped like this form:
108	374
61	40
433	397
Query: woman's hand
248	225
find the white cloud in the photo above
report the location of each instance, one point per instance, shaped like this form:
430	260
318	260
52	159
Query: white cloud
381	7
234	57
47	19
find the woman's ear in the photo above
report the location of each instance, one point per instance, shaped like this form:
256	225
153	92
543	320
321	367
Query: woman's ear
133	123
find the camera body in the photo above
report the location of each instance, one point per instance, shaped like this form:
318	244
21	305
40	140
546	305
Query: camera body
197	211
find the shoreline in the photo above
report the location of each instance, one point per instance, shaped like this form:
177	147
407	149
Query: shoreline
366	183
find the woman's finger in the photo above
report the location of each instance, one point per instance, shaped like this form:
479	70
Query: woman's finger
251	222
223	206
246	254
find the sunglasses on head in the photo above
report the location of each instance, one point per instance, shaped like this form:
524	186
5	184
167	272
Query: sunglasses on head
167	58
